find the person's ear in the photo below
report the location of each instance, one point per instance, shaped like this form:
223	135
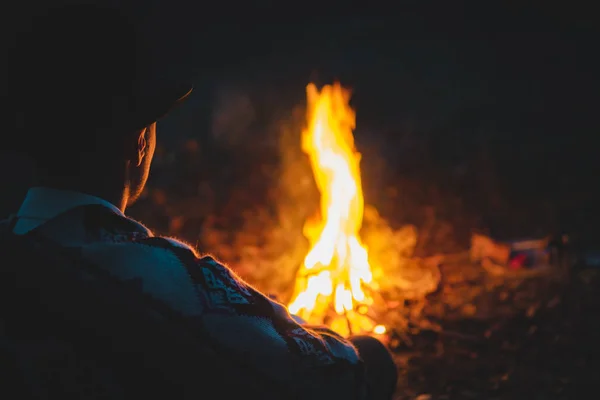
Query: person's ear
141	147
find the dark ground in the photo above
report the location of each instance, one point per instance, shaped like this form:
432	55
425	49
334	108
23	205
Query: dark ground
535	340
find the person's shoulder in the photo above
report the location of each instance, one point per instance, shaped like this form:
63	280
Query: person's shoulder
161	266
189	256
170	243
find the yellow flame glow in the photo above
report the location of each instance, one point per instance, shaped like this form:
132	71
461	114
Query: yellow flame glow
336	269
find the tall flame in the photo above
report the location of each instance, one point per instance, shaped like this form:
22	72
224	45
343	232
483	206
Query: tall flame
336	269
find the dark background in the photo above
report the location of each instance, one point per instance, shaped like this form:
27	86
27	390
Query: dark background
492	105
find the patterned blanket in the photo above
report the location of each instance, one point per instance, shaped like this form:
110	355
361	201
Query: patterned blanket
240	324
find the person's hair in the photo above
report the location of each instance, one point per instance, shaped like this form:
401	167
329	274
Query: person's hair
77	152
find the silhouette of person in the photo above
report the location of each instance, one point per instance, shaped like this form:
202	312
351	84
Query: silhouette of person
86	95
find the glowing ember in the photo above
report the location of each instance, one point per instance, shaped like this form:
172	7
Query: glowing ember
379	329
332	284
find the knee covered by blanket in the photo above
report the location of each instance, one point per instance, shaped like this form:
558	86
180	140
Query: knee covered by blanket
381	371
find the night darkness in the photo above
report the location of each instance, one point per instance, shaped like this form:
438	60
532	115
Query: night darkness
470	119
519	83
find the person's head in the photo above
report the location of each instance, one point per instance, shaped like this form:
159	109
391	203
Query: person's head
113	163
86	95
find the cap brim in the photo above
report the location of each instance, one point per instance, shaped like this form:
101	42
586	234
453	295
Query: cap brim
162	103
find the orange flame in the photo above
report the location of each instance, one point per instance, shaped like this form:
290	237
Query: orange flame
336	269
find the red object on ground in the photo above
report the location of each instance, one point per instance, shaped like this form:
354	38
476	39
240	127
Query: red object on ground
518	261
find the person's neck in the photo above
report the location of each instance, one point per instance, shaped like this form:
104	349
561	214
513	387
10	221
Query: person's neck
116	197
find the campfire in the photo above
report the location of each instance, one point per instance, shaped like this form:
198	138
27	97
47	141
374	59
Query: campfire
334	283
312	241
